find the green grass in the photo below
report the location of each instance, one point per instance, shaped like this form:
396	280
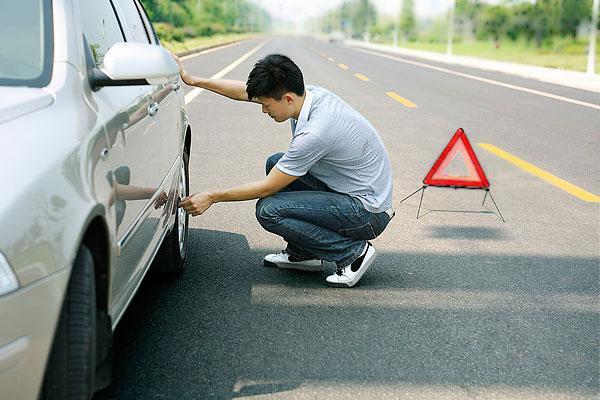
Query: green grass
204	41
562	54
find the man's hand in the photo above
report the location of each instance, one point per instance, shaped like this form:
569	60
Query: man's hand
186	77
197	203
161	200
233	89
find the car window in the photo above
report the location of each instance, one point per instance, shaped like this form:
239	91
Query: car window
149	27
100	27
134	22
25	42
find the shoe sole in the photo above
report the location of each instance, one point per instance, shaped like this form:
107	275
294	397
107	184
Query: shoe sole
338	285
296	267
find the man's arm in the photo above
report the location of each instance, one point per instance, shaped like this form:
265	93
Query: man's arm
235	90
198	203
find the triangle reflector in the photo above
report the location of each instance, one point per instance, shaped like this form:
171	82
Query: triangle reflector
457	166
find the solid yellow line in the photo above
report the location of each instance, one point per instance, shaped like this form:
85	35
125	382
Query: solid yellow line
401	99
540	173
362	77
343	66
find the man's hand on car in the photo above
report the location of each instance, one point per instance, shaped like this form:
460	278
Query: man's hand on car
197	203
186	77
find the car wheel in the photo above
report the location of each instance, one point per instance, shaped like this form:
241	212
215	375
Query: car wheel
71	366
173	251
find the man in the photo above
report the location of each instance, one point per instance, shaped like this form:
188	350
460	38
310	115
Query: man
330	192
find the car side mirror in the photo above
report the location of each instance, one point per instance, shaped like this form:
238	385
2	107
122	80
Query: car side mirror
127	64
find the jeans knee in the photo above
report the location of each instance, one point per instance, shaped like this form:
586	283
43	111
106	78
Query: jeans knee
271	161
262	211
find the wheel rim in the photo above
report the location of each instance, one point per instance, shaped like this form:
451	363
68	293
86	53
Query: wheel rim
182	219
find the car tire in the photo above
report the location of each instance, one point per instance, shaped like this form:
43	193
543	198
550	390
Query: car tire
71	365
173	251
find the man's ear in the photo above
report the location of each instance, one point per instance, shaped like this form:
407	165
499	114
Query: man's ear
289	99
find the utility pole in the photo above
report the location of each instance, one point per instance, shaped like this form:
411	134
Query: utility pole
450	29
368	27
591	66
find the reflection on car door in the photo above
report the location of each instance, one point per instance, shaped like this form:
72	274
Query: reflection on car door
170	115
135	157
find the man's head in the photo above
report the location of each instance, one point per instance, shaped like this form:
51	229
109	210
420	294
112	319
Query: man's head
277	83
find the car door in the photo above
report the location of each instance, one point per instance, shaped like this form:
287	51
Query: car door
134	157
170	109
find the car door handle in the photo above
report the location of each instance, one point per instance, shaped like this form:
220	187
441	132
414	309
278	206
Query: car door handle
153	109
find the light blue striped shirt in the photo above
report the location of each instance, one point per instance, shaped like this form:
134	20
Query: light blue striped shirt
338	146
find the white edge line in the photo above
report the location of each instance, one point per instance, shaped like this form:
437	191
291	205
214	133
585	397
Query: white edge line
194	93
490	81
210	50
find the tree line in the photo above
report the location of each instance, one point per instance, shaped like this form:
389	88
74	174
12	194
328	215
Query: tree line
539	21
178	19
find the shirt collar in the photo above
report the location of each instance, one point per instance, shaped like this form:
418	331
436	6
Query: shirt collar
305	110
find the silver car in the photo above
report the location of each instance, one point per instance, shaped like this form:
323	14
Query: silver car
94	150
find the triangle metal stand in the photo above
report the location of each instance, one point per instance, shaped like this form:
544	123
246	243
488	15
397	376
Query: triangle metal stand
422	190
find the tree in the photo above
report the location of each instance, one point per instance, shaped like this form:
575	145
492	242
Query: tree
466	13
571	14
352	17
544	20
494	21
207	17
407	20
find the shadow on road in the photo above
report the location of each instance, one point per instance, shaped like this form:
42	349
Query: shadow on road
228	327
471	233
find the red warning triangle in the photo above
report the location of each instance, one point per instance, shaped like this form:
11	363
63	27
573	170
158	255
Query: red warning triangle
443	172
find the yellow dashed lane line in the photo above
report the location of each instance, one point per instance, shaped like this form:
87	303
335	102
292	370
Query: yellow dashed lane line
401	99
364	78
540	173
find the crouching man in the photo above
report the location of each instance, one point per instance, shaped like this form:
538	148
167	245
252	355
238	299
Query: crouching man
330	192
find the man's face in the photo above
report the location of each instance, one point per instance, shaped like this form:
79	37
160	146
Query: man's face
279	110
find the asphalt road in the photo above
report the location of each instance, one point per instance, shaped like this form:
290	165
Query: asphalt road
458	304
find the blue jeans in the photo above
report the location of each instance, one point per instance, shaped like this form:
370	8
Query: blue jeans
317	222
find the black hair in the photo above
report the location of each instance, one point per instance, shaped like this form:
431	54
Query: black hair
273	76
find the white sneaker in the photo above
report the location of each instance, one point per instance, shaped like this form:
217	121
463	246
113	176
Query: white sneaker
282	260
348	278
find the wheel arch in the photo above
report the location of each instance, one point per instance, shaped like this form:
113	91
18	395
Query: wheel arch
96	238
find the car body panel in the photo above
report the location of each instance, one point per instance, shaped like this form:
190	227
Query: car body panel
21	373
15	102
61	149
